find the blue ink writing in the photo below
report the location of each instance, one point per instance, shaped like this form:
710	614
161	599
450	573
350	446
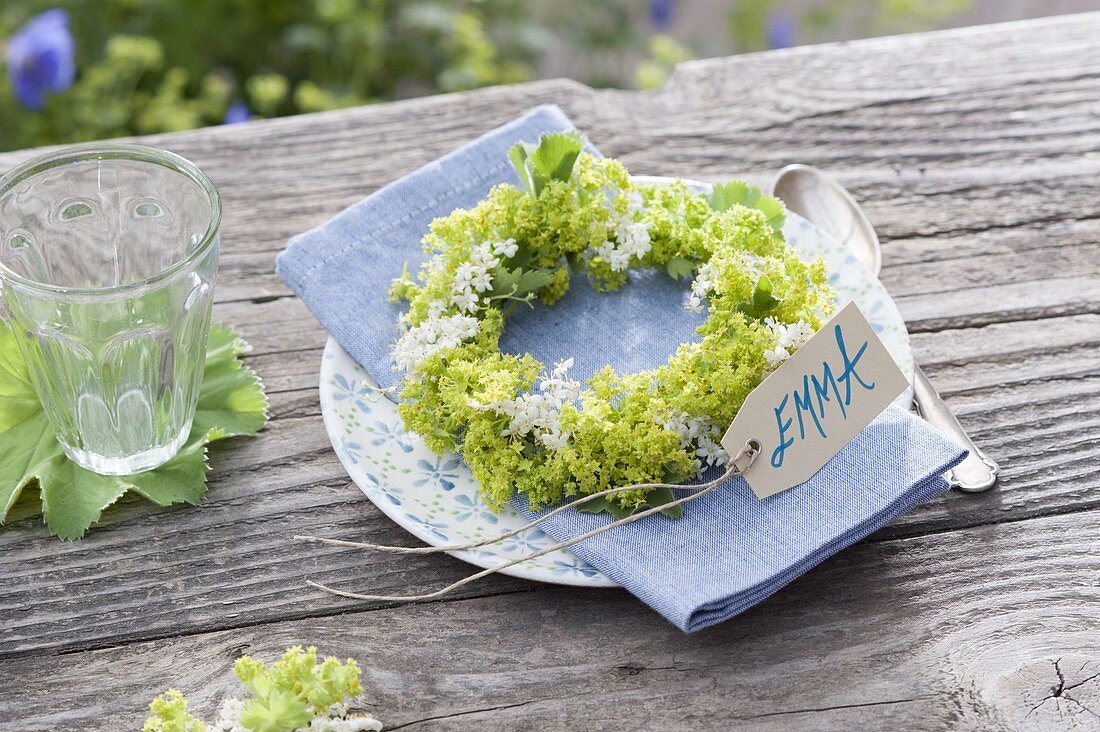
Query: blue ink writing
783	427
810	400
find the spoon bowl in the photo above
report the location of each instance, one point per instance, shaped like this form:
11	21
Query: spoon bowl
817	197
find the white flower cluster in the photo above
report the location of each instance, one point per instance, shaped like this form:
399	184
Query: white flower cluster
703	284
702	435
475	277
440	332
333	719
539	413
631	237
436	333
788	339
229	718
701	287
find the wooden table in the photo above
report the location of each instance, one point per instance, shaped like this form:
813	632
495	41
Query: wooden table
975	152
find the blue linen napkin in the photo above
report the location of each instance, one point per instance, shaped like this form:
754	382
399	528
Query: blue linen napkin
730	550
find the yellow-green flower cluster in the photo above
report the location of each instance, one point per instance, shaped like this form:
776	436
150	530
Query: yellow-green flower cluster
297	692
660	425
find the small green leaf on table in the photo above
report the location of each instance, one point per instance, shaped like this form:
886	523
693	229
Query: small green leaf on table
231	402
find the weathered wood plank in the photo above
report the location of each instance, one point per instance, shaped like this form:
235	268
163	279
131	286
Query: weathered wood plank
986	628
150	572
976	158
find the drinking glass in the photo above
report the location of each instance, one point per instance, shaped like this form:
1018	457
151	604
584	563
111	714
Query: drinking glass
108	254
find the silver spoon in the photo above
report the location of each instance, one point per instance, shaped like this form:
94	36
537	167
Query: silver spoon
816	197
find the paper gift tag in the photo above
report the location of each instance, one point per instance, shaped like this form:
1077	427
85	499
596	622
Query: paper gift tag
815	403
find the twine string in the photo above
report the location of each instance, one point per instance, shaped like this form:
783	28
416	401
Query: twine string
492	540
737	466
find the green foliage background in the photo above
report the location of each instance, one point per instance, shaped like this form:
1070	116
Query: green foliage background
146	66
161	65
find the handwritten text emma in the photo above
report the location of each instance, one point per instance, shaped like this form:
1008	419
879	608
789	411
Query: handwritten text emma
833	389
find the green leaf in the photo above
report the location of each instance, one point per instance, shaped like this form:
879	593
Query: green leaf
602	505
231	402
679	267
661	496
518	156
762	301
552	159
724	195
575	261
282	711
505	281
180	480
232	399
518	282
594	505
656	497
532	280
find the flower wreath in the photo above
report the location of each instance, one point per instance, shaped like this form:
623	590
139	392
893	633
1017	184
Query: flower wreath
583	214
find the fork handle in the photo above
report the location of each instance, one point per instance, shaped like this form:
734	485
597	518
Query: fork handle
977	472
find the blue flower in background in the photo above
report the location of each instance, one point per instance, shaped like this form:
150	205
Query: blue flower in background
237	112
40	58
660	13
781	31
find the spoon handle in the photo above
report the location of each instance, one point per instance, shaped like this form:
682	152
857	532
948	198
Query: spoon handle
977	472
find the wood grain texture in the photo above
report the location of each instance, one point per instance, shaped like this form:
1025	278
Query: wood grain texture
986	628
975	153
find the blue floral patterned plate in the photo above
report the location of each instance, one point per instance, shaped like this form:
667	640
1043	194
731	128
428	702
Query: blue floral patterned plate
436	498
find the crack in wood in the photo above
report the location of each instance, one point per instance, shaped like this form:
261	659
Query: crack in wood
464	713
989	228
124	641
811	710
1061	691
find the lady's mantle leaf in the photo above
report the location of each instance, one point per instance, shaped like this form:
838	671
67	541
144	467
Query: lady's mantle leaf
656	497
231	402
679	267
724	195
232	399
552	159
762	301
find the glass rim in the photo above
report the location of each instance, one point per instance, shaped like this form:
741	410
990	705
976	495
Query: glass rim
116	151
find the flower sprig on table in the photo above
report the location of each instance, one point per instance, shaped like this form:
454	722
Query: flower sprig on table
294	694
549	437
